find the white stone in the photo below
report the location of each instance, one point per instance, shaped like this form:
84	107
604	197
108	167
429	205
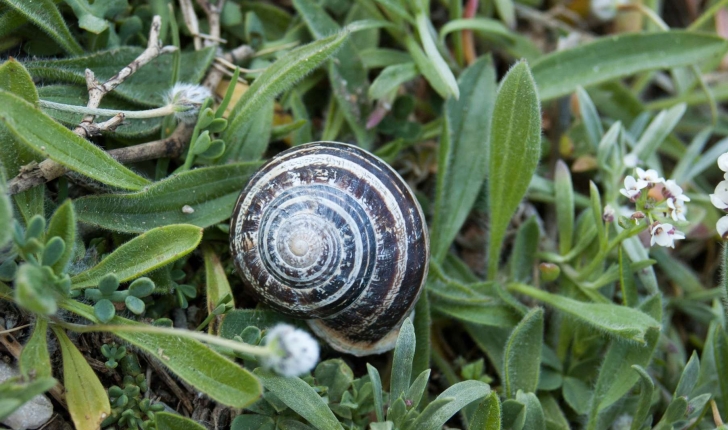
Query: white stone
32	414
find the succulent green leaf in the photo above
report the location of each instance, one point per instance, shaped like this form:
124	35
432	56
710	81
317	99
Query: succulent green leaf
32	286
87	400
515	147
141	287
144	253
134	304
104	310
53	251
607	58
522	360
301	398
45	15
63	226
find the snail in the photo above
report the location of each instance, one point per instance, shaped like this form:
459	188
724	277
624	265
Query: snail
330	233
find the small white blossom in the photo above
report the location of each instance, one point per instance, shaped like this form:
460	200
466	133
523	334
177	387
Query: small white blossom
720	197
608	214
605	10
723	164
648	178
665	235
293	351
631	188
672	190
677	209
187	99
722	227
630	160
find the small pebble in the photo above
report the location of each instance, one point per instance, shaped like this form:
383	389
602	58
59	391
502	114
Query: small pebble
32	414
187	209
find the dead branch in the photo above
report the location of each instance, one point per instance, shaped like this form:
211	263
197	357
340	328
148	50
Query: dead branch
97	91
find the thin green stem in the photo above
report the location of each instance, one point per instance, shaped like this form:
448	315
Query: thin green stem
258	351
140	114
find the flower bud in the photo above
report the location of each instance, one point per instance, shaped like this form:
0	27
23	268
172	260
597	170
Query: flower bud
549	271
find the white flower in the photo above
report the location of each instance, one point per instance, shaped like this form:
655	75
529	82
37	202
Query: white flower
605	10
293	351
647	178
631	188
608	215
665	235
187	99
722	227
723	163
672	190
630	160
677	209
720	198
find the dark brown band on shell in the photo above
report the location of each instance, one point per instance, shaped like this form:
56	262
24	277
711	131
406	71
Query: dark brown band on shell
328	231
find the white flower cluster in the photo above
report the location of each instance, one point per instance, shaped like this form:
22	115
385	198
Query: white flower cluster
663	233
720	197
293	351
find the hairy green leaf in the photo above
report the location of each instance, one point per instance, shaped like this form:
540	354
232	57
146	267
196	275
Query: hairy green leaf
522	360
40	133
169	421
143	254
147	87
463	153
45	15
63	225
192	361
278	77
462	394
613	57
35	358
87	400
619	321
210	191
515	146
301	398
404	354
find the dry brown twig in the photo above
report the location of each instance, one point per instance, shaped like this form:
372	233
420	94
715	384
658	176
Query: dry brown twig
39	173
36	174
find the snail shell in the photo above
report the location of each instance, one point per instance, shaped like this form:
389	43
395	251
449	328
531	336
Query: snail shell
328	232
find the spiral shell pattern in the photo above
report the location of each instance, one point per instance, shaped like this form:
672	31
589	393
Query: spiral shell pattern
330	233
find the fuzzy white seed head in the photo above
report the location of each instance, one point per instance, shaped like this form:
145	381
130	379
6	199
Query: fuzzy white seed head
293	351
187	99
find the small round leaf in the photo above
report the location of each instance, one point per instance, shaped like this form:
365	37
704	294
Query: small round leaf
135	304
104	310
53	251
141	287
108	284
